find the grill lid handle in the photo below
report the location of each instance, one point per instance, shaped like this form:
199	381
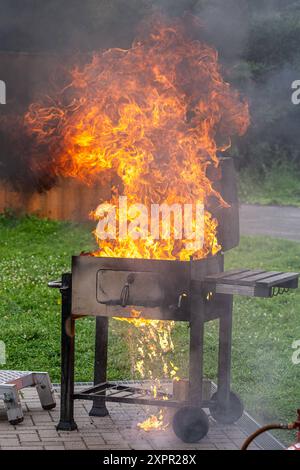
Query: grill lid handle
55	284
125	291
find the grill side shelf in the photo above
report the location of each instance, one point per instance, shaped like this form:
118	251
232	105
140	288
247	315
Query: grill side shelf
251	283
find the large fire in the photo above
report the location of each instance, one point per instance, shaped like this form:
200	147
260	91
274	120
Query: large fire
152	119
155	116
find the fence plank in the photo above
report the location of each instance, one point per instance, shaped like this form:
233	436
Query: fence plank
69	200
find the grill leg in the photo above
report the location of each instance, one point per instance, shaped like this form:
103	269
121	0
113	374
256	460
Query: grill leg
67	422
224	363
100	366
196	350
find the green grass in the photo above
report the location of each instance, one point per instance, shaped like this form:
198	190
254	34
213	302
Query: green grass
279	185
33	251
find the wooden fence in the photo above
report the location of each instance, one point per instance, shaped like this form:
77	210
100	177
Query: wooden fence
27	75
68	200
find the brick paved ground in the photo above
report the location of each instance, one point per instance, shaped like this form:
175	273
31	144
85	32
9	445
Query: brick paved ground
117	431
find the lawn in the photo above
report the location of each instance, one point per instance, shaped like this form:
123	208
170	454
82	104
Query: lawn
278	185
33	251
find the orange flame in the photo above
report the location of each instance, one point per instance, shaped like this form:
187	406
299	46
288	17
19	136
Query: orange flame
152	119
154	422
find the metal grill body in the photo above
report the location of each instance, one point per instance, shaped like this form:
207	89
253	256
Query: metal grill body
161	290
196	292
165	290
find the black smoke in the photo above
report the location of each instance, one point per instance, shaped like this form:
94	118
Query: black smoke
38	38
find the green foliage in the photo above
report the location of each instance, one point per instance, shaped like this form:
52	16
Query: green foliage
274	41
273	57
278	185
258	42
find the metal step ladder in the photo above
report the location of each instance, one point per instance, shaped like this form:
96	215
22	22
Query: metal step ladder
11	381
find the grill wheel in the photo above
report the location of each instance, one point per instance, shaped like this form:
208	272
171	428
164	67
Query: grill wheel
230	415
190	424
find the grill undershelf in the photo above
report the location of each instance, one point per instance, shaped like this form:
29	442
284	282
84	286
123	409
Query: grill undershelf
250	283
114	392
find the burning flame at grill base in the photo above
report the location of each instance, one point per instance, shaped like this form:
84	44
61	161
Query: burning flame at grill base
150	343
154	422
152	119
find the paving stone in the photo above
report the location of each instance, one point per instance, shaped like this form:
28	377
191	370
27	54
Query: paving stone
111	437
74	445
226	446
235	434
45	433
24	432
93	440
9	442
54	447
53	440
89	432
41	419
141	446
29	437
11	448
75	438
114	432
106	447
32	444
8	433
30	448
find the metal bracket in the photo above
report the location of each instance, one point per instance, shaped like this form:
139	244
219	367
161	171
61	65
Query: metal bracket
58	285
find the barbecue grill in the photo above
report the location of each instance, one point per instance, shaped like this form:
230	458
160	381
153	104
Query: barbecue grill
195	291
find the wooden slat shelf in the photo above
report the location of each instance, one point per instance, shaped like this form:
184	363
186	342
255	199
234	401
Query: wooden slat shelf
251	283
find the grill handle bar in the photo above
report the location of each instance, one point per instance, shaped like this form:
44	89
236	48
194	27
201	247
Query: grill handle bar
55	284
61	285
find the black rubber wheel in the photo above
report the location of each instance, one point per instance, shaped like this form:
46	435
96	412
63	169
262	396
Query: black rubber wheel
14	422
190	424
229	415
